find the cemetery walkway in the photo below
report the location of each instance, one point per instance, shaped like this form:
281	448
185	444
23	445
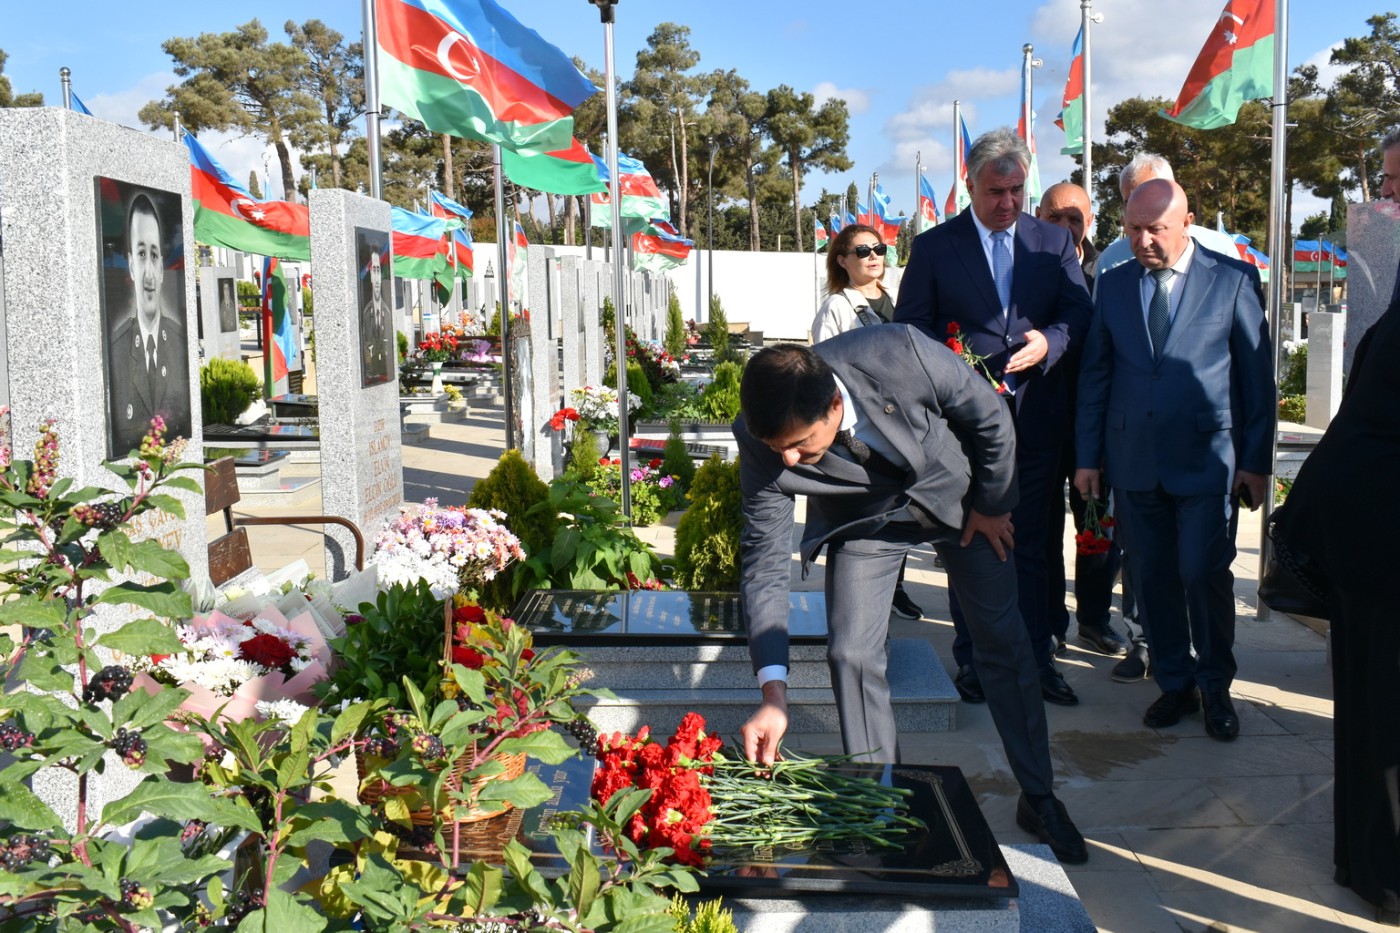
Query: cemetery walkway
1185	833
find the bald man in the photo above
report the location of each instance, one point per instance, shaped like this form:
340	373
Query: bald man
1176	405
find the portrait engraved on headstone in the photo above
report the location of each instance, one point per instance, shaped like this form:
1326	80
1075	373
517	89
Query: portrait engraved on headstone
377	351
144	318
228	306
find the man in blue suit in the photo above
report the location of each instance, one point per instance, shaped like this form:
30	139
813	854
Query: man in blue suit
1013	286
1177	407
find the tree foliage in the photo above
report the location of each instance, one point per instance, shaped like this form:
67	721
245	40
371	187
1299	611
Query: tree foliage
810	137
8	98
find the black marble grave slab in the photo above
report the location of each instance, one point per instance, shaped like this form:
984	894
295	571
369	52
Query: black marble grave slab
655	617
955	856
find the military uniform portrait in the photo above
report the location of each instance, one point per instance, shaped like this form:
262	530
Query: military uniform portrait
377	351
228	307
144	318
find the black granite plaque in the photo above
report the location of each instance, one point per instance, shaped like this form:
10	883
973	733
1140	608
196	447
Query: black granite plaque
955	856
652	617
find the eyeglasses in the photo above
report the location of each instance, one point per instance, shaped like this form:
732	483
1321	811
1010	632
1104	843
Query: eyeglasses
863	251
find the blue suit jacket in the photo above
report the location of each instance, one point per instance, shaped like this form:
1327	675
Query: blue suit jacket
948	281
1202	410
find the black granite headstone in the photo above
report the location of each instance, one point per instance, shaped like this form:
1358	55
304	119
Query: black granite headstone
655	617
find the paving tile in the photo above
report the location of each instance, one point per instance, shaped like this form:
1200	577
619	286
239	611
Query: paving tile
1290	798
1349	907
1264	857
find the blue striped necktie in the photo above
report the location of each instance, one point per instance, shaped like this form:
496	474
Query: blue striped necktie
1001	267
1159	319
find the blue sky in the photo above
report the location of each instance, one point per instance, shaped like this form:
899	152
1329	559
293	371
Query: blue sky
899	81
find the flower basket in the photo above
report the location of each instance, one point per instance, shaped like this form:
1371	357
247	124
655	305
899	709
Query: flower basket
372	793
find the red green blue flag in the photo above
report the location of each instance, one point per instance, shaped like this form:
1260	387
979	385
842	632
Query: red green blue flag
417	245
1235	65
469	68
958	198
440	205
819	235
659	247
836	222
225	214
1071	118
567	171
641	198
928	207
277	323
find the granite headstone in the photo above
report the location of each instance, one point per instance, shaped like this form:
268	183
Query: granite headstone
1373	245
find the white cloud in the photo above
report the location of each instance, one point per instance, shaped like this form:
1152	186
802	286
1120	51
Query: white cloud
1326	71
857	100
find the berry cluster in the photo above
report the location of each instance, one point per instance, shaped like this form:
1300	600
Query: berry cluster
131	747
100	514
381	747
13	737
191	830
110	683
582	729
135	896
429	747
45	461
22	849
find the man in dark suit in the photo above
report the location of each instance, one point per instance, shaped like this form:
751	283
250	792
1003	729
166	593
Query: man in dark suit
894	442
149	354
1013	286
1177	404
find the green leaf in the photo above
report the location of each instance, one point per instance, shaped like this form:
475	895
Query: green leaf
331	820
547	746
481	888
180	802
34	611
168	504
44	672
348	722
187	483
525	791
139	709
658	921
583	881
115	547
165	745
142	637
159	561
517	859
161	599
21	807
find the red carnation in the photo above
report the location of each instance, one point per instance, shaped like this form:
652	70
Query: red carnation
655	463
953	327
955	345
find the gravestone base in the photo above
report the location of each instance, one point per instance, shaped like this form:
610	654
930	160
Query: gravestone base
426	409
416	434
290	492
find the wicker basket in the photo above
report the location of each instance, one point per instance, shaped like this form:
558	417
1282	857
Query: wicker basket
373	793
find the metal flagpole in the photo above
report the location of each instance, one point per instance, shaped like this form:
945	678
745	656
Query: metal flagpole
608	15
1278	225
376	176
503	259
1087	20
870	200
918	192
65	78
1028	116
957	154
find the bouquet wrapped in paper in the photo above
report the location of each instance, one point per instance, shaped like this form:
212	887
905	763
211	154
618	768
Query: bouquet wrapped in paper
238	665
450	549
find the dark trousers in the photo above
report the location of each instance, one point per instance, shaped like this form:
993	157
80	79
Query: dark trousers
860	579
1180	549
1036	474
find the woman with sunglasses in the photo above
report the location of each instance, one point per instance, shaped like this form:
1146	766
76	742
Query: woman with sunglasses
855	263
856	296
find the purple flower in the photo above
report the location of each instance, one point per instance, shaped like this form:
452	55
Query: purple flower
667	482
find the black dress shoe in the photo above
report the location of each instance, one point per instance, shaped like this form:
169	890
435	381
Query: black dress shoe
904	607
1134	667
1104	640
1170	707
1054	689
1221	721
1050	823
969	684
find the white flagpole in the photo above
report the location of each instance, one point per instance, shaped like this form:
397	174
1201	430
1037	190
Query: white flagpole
1087	20
371	53
957	154
503	258
1278	226
918	192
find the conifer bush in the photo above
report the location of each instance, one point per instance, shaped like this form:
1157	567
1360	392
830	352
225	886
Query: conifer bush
707	537
675	328
513	487
676	460
717	331
720	400
226	389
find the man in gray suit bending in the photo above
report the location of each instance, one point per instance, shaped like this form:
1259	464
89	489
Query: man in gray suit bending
1177	408
894	441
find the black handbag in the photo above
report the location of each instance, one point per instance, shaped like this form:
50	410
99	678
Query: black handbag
1292	582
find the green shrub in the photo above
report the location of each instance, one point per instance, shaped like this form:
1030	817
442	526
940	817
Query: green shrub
1295	376
403	346
676	401
514	488
583	454
675	327
720	400
494	328
226	389
710	917
717	331
676	460
637	383
593	548
707	538
399	635
1293	408
248	293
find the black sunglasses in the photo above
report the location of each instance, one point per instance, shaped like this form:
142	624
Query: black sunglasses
863	251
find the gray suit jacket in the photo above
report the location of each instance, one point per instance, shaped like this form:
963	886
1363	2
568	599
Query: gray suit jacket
1206	407
954	431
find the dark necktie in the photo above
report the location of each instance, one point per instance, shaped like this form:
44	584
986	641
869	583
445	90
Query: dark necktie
151	354
862	454
1001	267
1159	319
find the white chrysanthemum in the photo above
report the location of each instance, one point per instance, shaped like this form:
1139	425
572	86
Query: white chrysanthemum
299	664
289	711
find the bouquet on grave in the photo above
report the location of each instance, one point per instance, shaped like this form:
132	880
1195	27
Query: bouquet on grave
451	549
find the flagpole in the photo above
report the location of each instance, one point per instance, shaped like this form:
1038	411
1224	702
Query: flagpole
918	192
1087	19
1027	116
503	258
957	152
608	15
65	79
376	177
1278	224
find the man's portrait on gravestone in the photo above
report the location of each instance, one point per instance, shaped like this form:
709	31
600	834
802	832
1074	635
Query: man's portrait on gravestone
228	307
377	351
141	241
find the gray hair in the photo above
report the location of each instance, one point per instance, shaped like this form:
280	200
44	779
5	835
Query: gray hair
1391	140
1144	163
1001	149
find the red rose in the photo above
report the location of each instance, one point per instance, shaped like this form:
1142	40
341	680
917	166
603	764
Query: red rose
469	613
603	461
655	463
468	657
267	650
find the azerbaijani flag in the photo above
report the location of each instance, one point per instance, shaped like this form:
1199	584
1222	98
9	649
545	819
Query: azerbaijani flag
819	235
78	105
469	68
440	205
1339	255
958	198
1307	251
568	171
928	209
659	247
850	219
277	322
641	198
1235	65
1071	118
458	244
417	245
225	214
835	222
888	227
863	215
882	201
